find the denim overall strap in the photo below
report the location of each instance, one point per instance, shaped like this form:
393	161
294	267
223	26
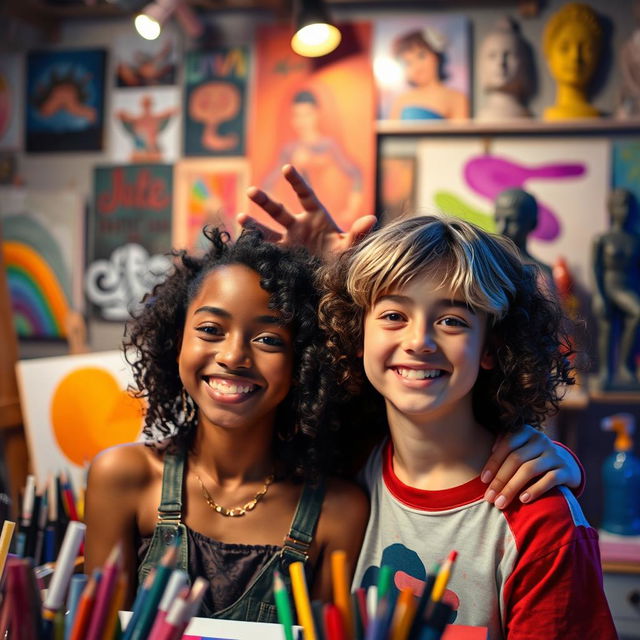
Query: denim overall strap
169	528
298	541
257	603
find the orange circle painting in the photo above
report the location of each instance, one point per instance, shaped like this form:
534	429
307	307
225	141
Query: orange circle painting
90	412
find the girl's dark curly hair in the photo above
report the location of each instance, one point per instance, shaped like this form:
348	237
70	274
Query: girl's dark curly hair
526	335
152	342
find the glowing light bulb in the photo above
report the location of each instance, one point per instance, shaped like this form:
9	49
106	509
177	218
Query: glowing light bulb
315	40
147	27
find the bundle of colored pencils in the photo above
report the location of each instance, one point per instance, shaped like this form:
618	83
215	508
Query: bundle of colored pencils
163	607
44	517
374	614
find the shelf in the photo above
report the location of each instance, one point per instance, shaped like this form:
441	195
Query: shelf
512	127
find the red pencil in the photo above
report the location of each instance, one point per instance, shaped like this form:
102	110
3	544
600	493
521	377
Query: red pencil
333	624
104	594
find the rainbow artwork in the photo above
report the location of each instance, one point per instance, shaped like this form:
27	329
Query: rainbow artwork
206	192
38	278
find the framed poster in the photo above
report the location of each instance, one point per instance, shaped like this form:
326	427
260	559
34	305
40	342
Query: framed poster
569	178
146	63
216	101
145	125
319	117
74	407
43	248
208	191
129	237
65	100
422	64
11	100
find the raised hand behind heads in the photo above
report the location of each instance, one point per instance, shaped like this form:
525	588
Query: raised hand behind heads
312	228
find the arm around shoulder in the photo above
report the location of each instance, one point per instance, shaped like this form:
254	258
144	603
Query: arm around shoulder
117	479
342	526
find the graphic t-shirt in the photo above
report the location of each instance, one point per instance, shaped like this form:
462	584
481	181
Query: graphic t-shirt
527	572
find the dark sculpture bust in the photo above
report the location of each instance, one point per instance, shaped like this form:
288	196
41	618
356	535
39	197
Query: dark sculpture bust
516	216
616	299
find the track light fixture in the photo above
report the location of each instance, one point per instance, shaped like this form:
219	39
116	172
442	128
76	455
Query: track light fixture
315	35
151	19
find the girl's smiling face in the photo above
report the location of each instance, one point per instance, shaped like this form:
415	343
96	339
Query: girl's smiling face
423	349
236	356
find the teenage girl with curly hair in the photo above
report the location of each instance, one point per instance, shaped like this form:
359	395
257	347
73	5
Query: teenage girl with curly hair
228	353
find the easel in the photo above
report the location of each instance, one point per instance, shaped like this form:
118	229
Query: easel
11	431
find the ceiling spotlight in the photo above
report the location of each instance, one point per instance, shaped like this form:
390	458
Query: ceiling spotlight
150	20
315	34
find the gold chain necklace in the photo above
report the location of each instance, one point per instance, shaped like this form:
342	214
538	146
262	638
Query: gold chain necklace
235	512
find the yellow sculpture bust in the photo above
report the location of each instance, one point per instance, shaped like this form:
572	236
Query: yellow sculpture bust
572	42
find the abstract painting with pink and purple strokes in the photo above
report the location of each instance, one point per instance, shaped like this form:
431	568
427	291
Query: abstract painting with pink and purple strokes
569	177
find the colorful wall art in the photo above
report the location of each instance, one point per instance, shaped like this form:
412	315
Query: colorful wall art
66	396
216	101
320	117
569	178
43	246
422	66
145	125
65	100
146	63
207	192
129	237
11	100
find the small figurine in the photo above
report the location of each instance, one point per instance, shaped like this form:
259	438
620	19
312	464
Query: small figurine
629	106
516	216
616	261
505	72
572	42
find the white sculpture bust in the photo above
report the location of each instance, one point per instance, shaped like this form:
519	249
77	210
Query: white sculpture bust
505	73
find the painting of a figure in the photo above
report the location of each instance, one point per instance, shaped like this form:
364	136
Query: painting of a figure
146	63
65	100
421	65
145	125
215	102
318	126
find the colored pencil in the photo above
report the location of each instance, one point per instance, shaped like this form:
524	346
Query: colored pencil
104	593
283	605
372	602
437	621
359	624
117	601
341	595
85	607
174	620
150	606
26	513
178	580
333	623
8	528
194	600
76	587
65	565
317	611
385	575
138	604
301	599
418	618
443	577
403	615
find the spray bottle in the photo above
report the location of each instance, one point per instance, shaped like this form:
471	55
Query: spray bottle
621	478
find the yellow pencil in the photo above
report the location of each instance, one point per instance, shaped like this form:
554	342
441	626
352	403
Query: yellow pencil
117	600
301	599
443	577
341	595
5	540
403	615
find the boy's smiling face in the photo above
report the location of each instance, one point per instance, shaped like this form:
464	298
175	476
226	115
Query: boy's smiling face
423	349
